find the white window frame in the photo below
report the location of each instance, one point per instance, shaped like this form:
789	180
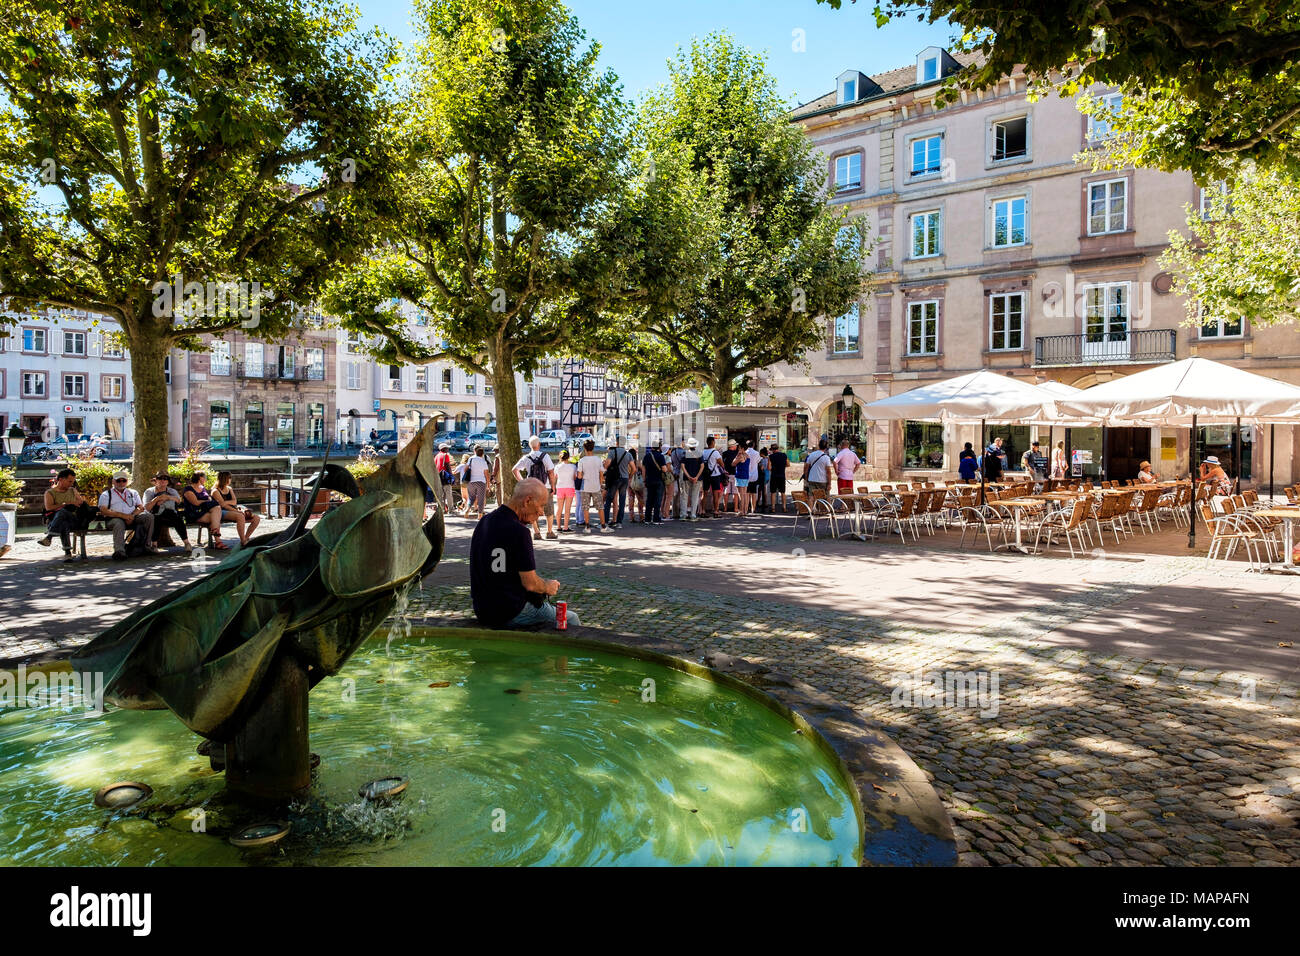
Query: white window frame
994	159
930	61
847	159
849	91
1109	199
471	383
1099	128
913	308
446	381
254	359
1220	323
923	218
74	336
1222	187
42	377
352	375
993	221
1105	288
219	358
840	334
421	383
1006	298
353	345
112	394
927	171
394	384
111	346
78	377
45	341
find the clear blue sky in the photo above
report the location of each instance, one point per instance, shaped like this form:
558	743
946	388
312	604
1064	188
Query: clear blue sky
638	36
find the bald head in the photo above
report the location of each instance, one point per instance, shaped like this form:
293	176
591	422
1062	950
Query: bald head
530	490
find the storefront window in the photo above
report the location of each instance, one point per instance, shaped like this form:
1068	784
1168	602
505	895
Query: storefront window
1015	442
254	433
1217	440
922	445
113	429
794	434
219	430
284	436
315	425
841	421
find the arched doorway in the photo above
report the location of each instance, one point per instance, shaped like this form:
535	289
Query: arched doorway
843	419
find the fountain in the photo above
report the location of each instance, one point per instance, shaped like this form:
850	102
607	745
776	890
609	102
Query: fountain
449	745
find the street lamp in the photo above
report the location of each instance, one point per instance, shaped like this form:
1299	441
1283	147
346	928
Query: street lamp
14	440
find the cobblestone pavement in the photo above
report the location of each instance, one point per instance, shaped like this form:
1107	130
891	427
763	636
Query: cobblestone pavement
1145	710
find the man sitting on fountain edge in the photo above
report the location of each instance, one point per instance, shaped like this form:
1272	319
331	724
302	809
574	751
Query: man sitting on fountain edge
503	579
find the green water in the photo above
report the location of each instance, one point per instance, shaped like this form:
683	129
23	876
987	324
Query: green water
576	768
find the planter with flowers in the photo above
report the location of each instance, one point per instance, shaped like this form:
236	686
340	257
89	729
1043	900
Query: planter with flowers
11	491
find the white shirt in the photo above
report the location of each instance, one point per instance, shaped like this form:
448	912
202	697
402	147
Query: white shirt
591	468
121	502
713	459
564	473
753	456
819	464
477	469
523	463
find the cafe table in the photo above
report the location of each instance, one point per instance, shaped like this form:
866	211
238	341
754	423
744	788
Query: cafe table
1288	517
1018	505
858	516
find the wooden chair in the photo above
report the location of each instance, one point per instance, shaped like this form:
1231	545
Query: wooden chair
1066	522
804	511
1229	532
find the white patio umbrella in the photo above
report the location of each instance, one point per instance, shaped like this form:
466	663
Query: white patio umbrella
983	396
1189	393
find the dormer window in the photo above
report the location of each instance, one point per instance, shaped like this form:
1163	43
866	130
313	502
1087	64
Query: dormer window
849	93
934	63
853	85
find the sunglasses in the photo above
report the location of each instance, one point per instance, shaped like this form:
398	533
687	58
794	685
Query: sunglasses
115	480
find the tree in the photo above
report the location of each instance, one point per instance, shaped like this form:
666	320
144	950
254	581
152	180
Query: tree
184	167
1206	84
734	250
510	151
1242	259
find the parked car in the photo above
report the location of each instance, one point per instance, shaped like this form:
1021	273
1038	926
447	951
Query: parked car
487	439
74	444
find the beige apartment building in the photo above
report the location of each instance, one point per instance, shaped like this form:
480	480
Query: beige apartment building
995	249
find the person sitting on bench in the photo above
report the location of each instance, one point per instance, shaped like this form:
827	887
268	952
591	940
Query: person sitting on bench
164	502
66	511
122	507
201	509
246	522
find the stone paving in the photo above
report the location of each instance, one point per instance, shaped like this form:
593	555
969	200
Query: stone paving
1146	709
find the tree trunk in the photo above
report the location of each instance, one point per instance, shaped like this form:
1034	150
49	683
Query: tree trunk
502	357
148	351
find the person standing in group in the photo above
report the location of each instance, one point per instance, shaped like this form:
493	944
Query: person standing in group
777	461
694	476
592	475
729	476
764	475
751	452
635	487
846	462
566	473
1029	462
993	460
653	467
818	470
618	470
670	486
713	478
537	464
1058	460
968	465
442	463
740	475
476	475
675	459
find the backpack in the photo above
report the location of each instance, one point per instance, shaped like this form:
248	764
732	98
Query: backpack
537	467
807	468
613	469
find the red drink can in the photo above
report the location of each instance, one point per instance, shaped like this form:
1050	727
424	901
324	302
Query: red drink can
561	615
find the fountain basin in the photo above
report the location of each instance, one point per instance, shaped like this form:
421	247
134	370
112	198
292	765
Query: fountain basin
520	749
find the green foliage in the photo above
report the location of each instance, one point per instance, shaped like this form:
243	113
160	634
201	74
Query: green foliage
94	475
191	464
731	258
1243	259
1207	83
11	487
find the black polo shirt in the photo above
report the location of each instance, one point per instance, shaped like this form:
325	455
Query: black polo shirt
501	548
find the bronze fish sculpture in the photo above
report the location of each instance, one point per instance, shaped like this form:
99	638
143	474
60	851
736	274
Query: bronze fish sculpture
298	602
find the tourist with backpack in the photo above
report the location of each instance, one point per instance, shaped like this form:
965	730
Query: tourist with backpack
537	464
817	472
442	463
618	470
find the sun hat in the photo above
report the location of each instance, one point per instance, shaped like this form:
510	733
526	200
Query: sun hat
1211	460
121	476
163	475
445	446
692	443
731	441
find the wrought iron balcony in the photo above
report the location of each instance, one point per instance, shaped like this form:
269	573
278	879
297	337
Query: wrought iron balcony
1139	347
272	373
